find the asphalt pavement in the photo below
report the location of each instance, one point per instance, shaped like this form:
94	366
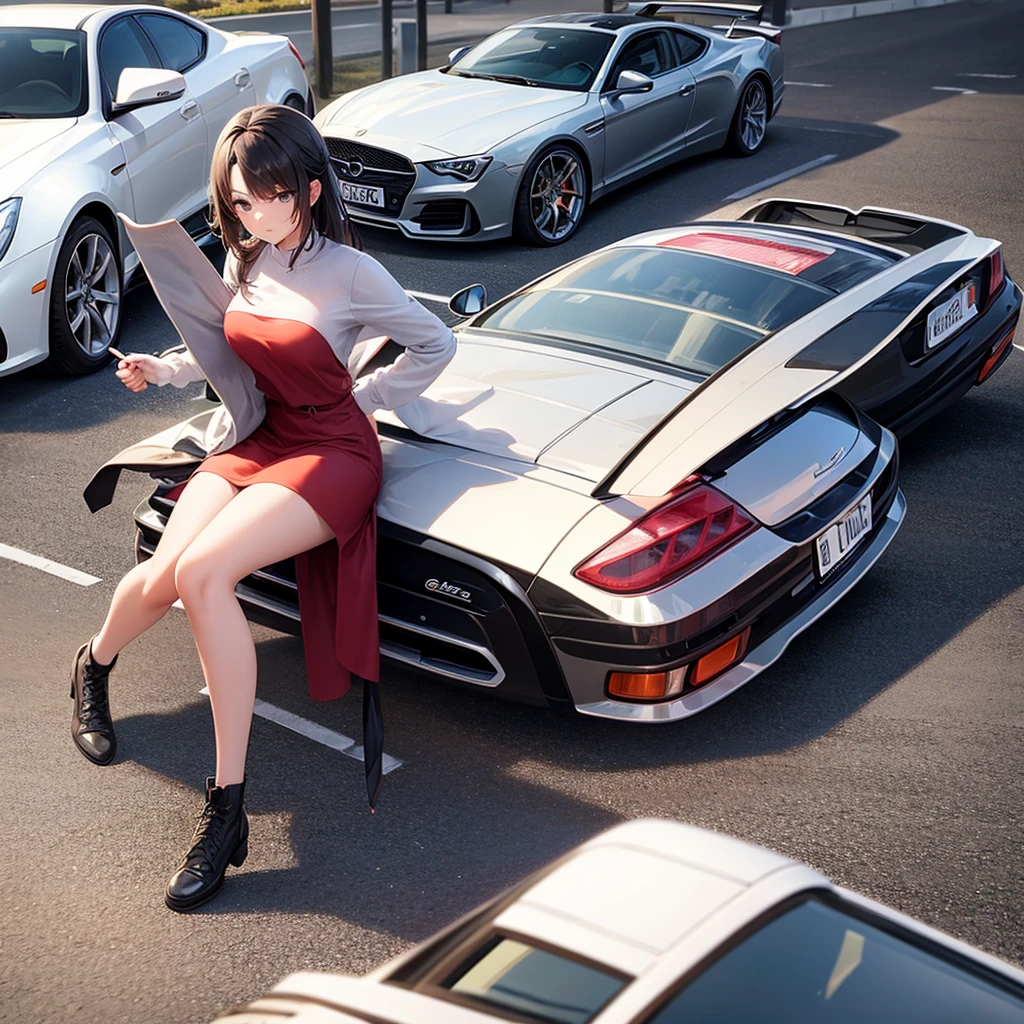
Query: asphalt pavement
884	748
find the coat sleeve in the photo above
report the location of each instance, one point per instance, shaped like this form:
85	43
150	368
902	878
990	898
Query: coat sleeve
378	301
183	366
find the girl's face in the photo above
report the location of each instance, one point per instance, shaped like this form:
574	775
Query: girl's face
270	220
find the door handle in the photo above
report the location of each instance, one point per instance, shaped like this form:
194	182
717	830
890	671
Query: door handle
188	110
686	89
242	78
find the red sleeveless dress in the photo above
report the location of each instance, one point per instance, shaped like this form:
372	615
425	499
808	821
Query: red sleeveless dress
323	448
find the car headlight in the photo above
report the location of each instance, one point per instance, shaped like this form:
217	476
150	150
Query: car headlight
8	222
465	168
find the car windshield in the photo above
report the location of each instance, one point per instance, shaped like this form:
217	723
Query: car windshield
815	964
555	58
42	73
684	309
534	983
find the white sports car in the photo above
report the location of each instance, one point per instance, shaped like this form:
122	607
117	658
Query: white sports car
107	109
656	922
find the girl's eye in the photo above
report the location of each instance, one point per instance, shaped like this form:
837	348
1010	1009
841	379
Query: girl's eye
241	204
285	197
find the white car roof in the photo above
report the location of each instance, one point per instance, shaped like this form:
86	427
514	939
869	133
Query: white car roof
60	15
630	894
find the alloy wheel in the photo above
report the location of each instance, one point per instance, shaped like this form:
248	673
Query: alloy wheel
92	294
754	115
556	194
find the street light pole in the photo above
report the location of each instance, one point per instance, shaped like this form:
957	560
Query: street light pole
323	57
421	35
385	39
779	12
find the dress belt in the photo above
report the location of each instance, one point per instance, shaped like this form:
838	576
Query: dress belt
313	409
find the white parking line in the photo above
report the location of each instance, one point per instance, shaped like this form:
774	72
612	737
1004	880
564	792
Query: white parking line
428	296
319	733
785	175
981	74
953	88
83	579
1019	348
811	85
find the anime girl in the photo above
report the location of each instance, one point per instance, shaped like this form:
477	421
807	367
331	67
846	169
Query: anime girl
300	480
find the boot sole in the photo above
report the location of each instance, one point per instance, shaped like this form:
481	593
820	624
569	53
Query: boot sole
113	739
183	906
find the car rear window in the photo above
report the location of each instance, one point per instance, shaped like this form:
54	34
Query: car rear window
681	308
815	964
534	983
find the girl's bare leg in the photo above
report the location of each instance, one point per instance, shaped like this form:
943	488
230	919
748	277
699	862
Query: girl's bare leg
264	523
147	591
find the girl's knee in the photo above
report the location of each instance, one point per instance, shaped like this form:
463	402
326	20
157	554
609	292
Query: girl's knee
196	577
157	583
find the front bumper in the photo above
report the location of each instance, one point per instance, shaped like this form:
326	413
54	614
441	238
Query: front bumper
24	316
422	204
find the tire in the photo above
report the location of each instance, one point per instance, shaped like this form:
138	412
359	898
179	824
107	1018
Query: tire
86	295
539	221
296	103
750	122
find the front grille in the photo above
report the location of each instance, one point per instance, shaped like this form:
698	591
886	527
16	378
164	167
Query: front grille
369	156
445	215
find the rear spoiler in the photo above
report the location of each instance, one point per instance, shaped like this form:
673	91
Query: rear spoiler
751	12
907	232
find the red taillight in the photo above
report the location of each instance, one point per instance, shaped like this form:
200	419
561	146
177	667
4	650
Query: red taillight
666	542
995	274
298	56
997	354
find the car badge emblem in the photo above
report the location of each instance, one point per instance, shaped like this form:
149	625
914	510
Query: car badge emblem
836	458
353	167
448	589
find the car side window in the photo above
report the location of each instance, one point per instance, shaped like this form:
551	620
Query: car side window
180	46
651	54
123	46
815	964
688	47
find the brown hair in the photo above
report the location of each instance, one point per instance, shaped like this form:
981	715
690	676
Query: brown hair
276	148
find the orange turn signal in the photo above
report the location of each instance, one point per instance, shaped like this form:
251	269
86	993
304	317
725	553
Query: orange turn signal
38	287
646	685
720	658
997	352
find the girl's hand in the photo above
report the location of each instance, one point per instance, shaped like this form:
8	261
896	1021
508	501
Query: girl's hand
373	422
138	371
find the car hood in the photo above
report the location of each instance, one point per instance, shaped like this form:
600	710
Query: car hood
27	146
459	116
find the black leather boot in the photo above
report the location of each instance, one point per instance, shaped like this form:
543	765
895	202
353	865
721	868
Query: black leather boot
221	838
91	727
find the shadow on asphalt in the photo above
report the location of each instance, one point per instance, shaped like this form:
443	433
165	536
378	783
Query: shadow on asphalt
486	792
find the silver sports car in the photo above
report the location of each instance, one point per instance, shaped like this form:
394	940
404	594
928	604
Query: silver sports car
647	471
519	133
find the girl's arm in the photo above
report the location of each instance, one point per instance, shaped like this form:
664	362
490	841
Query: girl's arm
380	302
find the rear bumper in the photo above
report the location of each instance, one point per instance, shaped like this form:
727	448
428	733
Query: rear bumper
493	641
770	640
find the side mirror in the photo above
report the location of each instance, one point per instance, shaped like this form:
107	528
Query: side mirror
140	87
469	301
458	53
631	81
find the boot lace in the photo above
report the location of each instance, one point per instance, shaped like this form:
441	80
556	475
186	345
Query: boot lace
94	708
206	840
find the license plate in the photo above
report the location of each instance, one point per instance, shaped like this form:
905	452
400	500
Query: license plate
365	194
950	316
841	537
